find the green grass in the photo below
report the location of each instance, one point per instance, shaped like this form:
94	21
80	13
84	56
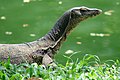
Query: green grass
89	68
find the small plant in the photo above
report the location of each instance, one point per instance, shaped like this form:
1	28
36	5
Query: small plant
89	68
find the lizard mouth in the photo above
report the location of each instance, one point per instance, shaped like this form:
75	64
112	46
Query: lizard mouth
95	12
90	13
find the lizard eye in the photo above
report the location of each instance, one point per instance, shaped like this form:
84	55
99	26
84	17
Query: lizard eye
83	10
75	11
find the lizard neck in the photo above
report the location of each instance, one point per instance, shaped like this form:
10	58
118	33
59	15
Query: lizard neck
61	30
57	35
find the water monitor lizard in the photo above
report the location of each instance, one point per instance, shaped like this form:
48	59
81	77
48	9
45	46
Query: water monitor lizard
44	49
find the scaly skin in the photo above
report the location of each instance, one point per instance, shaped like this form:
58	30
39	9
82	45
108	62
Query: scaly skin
43	49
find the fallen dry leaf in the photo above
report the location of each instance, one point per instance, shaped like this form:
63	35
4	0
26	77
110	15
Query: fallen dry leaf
109	12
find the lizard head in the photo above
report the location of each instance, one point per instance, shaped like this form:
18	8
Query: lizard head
83	12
